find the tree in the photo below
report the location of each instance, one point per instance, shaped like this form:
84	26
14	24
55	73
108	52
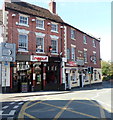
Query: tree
106	68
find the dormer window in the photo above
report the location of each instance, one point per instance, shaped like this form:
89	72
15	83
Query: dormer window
72	34
23	20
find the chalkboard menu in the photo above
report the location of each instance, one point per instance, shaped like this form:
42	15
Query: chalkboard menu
24	87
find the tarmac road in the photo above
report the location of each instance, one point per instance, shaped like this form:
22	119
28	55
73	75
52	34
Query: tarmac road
88	102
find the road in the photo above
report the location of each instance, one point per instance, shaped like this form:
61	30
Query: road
87	102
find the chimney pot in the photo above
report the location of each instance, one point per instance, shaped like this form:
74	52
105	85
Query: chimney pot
52	6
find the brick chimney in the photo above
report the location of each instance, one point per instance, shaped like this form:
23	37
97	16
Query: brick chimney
52	6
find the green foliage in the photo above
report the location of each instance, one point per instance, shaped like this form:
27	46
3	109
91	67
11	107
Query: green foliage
107	70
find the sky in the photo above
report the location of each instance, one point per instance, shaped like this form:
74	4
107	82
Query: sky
90	16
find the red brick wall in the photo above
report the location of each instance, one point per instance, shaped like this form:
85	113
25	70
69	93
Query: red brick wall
13	33
80	46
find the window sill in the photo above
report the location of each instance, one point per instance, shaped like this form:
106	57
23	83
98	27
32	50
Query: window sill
54	53
23	25
40	28
41	52
23	51
54	31
73	39
85	43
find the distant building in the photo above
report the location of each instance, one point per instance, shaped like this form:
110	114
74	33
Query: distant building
50	54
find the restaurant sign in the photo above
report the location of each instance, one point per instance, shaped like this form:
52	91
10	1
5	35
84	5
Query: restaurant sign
39	58
71	63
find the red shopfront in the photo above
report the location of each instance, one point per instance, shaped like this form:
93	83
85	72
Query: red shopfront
35	73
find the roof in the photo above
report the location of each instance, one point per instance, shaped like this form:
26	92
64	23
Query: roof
34	10
30	9
1	17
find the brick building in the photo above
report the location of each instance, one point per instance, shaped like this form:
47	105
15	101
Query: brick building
50	54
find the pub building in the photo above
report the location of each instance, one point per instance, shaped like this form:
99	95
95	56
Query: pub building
50	54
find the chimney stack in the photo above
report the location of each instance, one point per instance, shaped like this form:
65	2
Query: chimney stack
52	6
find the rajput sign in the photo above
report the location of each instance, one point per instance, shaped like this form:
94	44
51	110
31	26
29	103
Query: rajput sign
39	58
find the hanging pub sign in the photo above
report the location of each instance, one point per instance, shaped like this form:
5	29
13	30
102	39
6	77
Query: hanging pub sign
39	58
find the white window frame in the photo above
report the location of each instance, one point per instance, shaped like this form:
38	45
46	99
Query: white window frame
23	32
23	24
84	39
95	58
20	49
85	57
56	29
94	43
73	57
73	34
42	44
56	52
41	20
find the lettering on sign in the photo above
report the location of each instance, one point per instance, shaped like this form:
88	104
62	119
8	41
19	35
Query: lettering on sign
39	58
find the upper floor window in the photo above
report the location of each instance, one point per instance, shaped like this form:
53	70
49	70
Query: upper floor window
68	53
73	53
84	39
54	27
39	44
72	34
85	56
39	23
94	43
23	20
94	59
23	42
54	45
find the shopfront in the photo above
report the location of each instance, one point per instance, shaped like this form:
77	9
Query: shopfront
35	73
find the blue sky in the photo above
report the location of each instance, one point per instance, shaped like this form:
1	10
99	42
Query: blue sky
90	16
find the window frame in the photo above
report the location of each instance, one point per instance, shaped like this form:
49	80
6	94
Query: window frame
22	23
94	43
72	46
85	56
84	39
42	23
56	46
21	49
73	34
42	44
52	30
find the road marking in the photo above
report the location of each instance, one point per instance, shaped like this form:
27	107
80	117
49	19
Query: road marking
1	112
22	111
30	116
16	106
12	103
20	103
5	107
102	113
63	109
71	110
12	112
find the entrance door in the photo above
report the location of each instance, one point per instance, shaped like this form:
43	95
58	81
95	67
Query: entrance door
80	78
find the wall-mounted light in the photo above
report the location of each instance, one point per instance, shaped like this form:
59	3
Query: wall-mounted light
33	20
13	15
61	27
48	23
16	23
